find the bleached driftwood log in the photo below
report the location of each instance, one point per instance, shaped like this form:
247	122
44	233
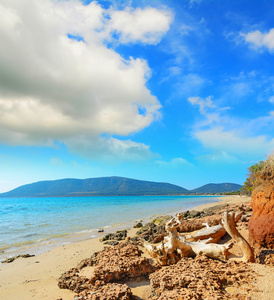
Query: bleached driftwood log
215	251
171	249
229	224
175	247
213	232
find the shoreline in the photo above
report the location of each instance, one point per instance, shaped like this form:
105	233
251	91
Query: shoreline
36	277
37	247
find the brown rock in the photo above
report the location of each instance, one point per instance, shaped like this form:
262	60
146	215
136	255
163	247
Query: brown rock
152	233
261	223
138	225
113	264
264	256
110	291
200	278
212	216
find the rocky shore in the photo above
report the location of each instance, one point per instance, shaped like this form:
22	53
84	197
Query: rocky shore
196	277
123	269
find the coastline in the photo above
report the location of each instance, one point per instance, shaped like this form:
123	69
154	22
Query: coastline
36	277
41	235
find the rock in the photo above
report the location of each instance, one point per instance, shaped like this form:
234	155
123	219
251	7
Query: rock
122	262
194	214
264	256
110	291
72	281
211	216
152	233
200	278
261	223
137	241
159	220
113	264
185	214
118	236
138	225
111	243
11	259
101	230
196	224
26	255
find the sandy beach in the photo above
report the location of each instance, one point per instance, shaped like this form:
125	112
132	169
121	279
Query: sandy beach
36	277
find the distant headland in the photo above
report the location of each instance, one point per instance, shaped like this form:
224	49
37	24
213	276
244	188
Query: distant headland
112	186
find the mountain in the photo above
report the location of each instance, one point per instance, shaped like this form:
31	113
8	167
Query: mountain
104	186
216	188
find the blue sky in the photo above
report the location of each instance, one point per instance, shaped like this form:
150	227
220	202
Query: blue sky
169	91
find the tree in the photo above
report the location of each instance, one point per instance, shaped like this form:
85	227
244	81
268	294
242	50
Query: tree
252	178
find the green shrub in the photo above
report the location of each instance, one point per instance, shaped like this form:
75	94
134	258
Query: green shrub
259	175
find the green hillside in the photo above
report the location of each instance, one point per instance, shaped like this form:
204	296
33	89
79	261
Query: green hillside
105	186
217	188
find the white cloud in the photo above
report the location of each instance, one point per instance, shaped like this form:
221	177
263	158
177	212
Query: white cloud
56	88
271	100
234	142
228	138
140	25
174	162
258	39
202	103
109	149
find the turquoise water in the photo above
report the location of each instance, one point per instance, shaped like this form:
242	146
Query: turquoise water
34	225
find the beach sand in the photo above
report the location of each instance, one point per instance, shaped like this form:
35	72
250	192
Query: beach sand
36	277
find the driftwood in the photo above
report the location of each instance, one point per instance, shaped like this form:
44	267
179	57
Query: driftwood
229	224
174	247
171	249
213	232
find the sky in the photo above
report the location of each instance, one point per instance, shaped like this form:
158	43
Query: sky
178	91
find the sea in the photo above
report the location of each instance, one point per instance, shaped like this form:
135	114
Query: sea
36	225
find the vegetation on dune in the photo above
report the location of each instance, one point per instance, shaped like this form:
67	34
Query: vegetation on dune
259	175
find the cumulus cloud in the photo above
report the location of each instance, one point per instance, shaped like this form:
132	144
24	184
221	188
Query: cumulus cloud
56	87
258	39
140	25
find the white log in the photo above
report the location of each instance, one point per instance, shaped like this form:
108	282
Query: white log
214	232
174	247
229	224
215	251
171	249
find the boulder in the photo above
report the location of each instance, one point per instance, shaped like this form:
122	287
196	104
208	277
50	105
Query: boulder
118	236
138	225
152	233
160	219
261	223
113	264
201	278
110	291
